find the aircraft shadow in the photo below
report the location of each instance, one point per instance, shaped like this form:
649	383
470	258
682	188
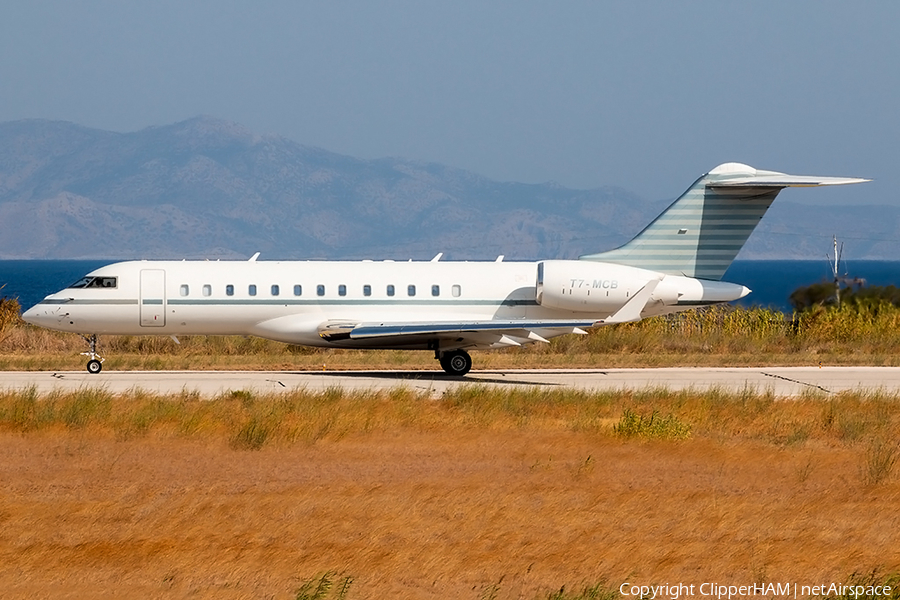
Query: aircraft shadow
421	376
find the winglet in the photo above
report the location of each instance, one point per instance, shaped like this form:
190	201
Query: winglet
631	310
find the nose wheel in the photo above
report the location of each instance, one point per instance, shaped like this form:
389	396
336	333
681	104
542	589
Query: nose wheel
455	362
95	362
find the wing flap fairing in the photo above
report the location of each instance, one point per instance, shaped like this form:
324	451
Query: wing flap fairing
516	328
483	334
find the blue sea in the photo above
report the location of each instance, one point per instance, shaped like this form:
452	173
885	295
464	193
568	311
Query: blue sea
772	281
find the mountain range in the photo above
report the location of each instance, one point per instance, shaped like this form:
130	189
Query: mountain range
208	188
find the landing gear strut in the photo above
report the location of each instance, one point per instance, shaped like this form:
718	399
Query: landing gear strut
95	364
455	362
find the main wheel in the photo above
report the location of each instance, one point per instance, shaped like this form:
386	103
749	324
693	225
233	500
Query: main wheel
456	363
94	367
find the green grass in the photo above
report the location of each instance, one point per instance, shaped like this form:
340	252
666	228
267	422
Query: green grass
327	586
652	427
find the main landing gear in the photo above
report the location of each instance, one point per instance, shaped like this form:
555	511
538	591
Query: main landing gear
455	362
95	364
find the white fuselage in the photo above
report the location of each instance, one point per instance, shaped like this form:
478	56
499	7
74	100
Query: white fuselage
292	301
673	264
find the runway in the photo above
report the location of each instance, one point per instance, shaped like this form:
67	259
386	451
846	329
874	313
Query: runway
783	381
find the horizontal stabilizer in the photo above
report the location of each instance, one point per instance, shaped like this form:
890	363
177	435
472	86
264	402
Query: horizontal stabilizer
782	181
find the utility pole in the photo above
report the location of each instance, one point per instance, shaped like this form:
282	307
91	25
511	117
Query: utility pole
835	269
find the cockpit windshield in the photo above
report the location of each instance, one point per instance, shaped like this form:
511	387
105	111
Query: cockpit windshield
95	282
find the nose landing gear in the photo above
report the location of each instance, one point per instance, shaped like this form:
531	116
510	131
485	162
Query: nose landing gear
455	362
95	364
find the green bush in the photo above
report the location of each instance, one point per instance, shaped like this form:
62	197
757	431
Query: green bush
657	427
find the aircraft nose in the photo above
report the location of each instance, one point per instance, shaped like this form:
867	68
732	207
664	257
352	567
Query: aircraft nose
41	316
32	315
744	291
51	313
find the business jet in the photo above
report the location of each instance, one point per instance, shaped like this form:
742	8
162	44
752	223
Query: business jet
675	263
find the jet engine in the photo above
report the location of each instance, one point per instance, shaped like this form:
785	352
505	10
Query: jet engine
596	287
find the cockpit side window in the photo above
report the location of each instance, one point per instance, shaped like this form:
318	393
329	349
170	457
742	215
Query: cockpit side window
95	282
81	283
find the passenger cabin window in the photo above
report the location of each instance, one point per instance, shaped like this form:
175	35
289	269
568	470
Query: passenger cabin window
184	290
95	282
411	290
342	290
320	290
207	289
390	290
456	291
276	290
367	290
229	290
298	290
251	289
435	290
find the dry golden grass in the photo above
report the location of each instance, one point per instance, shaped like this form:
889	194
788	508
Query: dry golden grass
510	493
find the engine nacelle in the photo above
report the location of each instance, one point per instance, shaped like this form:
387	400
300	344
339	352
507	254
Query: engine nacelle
596	287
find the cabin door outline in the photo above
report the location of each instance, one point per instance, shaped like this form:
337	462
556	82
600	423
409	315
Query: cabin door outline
153	298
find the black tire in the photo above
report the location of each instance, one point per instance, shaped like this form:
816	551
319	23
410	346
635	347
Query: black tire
94	367
456	363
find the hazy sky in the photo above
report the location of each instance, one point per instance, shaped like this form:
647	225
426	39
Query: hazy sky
644	95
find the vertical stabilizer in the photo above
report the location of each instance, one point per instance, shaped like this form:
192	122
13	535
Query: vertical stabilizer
700	233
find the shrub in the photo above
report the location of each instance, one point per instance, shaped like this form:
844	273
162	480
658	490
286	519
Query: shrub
879	461
10	314
653	427
322	587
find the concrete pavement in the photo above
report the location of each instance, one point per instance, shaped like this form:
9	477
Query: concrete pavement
783	381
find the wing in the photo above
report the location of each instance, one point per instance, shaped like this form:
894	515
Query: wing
493	333
460	334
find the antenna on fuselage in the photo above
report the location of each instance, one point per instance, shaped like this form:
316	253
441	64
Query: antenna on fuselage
254	257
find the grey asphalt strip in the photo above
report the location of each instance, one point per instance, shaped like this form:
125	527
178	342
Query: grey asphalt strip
783	381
